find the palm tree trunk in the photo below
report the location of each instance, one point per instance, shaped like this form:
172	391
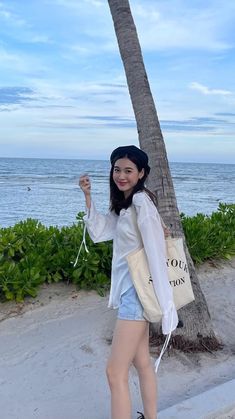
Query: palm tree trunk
196	318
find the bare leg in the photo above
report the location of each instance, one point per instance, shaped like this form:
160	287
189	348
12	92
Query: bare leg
127	336
147	377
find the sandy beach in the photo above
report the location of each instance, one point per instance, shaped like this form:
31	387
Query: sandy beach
54	349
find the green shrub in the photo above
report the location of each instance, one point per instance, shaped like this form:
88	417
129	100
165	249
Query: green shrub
211	237
31	254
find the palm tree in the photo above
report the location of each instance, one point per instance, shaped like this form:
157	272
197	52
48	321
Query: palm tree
197	331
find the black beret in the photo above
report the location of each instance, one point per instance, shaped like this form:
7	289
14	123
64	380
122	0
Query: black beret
131	151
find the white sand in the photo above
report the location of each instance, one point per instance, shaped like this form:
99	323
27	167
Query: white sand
53	352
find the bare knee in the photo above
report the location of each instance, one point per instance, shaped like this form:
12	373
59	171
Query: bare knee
116	376
143	364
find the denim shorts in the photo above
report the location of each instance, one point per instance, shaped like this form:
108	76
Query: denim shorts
130	307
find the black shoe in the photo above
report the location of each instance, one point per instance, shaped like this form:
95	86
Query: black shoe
141	415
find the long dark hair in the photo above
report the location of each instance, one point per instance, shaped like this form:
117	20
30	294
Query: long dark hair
117	198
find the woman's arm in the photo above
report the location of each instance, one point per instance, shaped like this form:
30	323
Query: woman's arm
152	234
100	227
85	185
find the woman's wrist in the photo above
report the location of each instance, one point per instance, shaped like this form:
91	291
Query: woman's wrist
88	200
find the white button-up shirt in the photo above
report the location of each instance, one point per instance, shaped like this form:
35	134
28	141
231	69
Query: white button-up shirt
130	232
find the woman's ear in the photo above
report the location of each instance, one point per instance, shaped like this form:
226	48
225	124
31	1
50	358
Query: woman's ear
141	174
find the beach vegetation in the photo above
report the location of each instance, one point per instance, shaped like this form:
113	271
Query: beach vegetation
211	236
32	254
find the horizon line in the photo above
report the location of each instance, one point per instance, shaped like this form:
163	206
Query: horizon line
106	160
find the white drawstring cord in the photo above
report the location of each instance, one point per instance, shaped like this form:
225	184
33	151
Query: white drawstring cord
82	244
165	343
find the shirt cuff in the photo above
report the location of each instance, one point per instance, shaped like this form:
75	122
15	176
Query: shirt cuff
169	320
89	212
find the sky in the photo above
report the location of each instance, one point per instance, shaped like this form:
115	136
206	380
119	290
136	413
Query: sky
63	91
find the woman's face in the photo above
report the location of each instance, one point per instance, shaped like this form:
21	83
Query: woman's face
126	175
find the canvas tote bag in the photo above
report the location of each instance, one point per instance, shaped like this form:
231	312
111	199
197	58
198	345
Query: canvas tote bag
178	275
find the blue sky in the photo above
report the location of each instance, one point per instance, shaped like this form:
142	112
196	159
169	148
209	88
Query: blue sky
63	90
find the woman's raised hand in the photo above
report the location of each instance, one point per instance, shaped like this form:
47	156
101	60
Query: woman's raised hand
85	184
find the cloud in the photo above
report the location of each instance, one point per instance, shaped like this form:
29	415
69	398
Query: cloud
19	29
194	126
22	62
11	60
96	3
213	125
9	17
15	95
40	39
110	121
46	94
90	48
65	74
162	25
225	114
208	91
92	89
75	5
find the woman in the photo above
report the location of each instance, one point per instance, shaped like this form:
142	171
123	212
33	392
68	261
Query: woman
133	221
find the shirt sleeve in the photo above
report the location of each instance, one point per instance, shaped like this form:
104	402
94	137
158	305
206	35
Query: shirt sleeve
149	223
101	227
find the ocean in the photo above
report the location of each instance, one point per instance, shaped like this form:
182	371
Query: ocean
47	189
